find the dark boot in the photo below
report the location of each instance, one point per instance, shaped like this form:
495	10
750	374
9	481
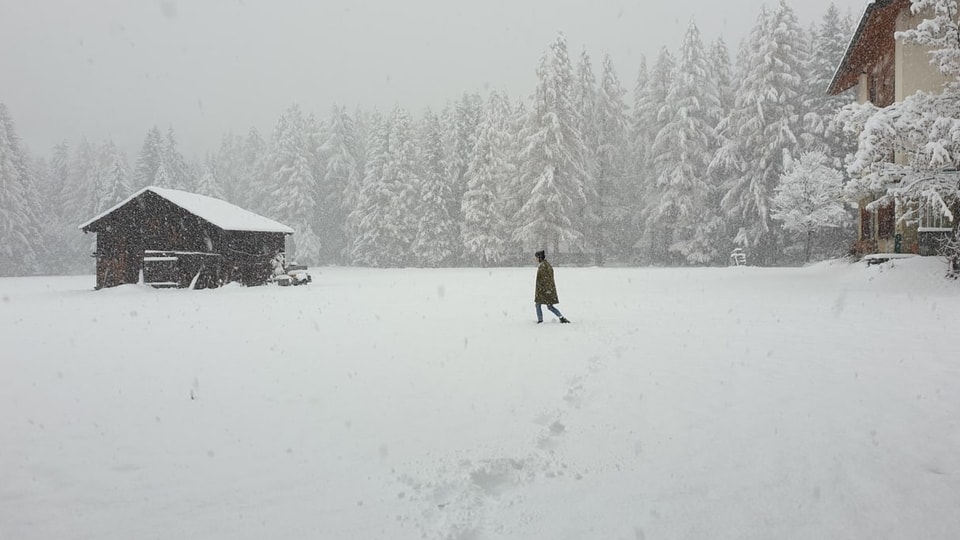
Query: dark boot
564	320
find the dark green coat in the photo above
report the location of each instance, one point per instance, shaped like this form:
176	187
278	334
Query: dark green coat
546	292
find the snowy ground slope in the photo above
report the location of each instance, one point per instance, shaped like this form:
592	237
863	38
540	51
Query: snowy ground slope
733	403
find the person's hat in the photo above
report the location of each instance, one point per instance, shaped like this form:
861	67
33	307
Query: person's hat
541	254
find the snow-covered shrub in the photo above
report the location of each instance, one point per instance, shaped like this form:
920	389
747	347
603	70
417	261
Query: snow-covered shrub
809	199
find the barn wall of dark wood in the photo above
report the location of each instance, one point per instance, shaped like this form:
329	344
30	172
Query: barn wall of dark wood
119	258
249	255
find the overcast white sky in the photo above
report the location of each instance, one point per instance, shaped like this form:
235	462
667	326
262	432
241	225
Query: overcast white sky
114	68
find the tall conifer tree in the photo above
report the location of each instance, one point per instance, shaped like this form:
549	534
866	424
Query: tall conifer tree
293	189
613	189
553	172
683	150
762	130
487	176
21	243
339	174
437	238
648	121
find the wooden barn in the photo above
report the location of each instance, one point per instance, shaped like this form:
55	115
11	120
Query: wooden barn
179	239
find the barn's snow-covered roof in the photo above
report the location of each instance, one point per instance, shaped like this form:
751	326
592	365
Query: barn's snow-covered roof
220	213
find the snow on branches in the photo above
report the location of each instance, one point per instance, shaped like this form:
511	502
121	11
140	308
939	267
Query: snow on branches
940	33
809	195
912	147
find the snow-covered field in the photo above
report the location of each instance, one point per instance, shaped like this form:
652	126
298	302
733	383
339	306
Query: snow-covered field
725	403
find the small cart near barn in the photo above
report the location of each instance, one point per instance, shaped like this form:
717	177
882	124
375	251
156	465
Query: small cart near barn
178	239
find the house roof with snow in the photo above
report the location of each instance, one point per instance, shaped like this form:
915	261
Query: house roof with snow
215	211
874	34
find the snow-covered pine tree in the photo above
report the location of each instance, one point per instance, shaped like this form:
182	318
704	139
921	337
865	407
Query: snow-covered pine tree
21	243
365	218
513	194
401	176
292	187
553	152
79	203
721	73
728	161
437	233
92	203
161	151
49	219
149	160
464	117
179	174
809	198
224	164
648	101
339	175
315	136
639	140
386	214
681	202
162	177
59	230
763	128
114	174
210	183
614	236
361	125
585	107
828	43
84	182
482	228
585	102
252	180
351	195
638	132
56	181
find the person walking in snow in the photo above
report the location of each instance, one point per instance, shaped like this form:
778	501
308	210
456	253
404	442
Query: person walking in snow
546	291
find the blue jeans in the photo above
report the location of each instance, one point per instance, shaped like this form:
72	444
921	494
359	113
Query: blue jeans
552	309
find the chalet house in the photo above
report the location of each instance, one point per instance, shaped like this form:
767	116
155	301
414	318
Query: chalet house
884	70
178	239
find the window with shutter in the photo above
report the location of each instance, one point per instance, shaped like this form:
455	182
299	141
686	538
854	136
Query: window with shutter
866	224
886	222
